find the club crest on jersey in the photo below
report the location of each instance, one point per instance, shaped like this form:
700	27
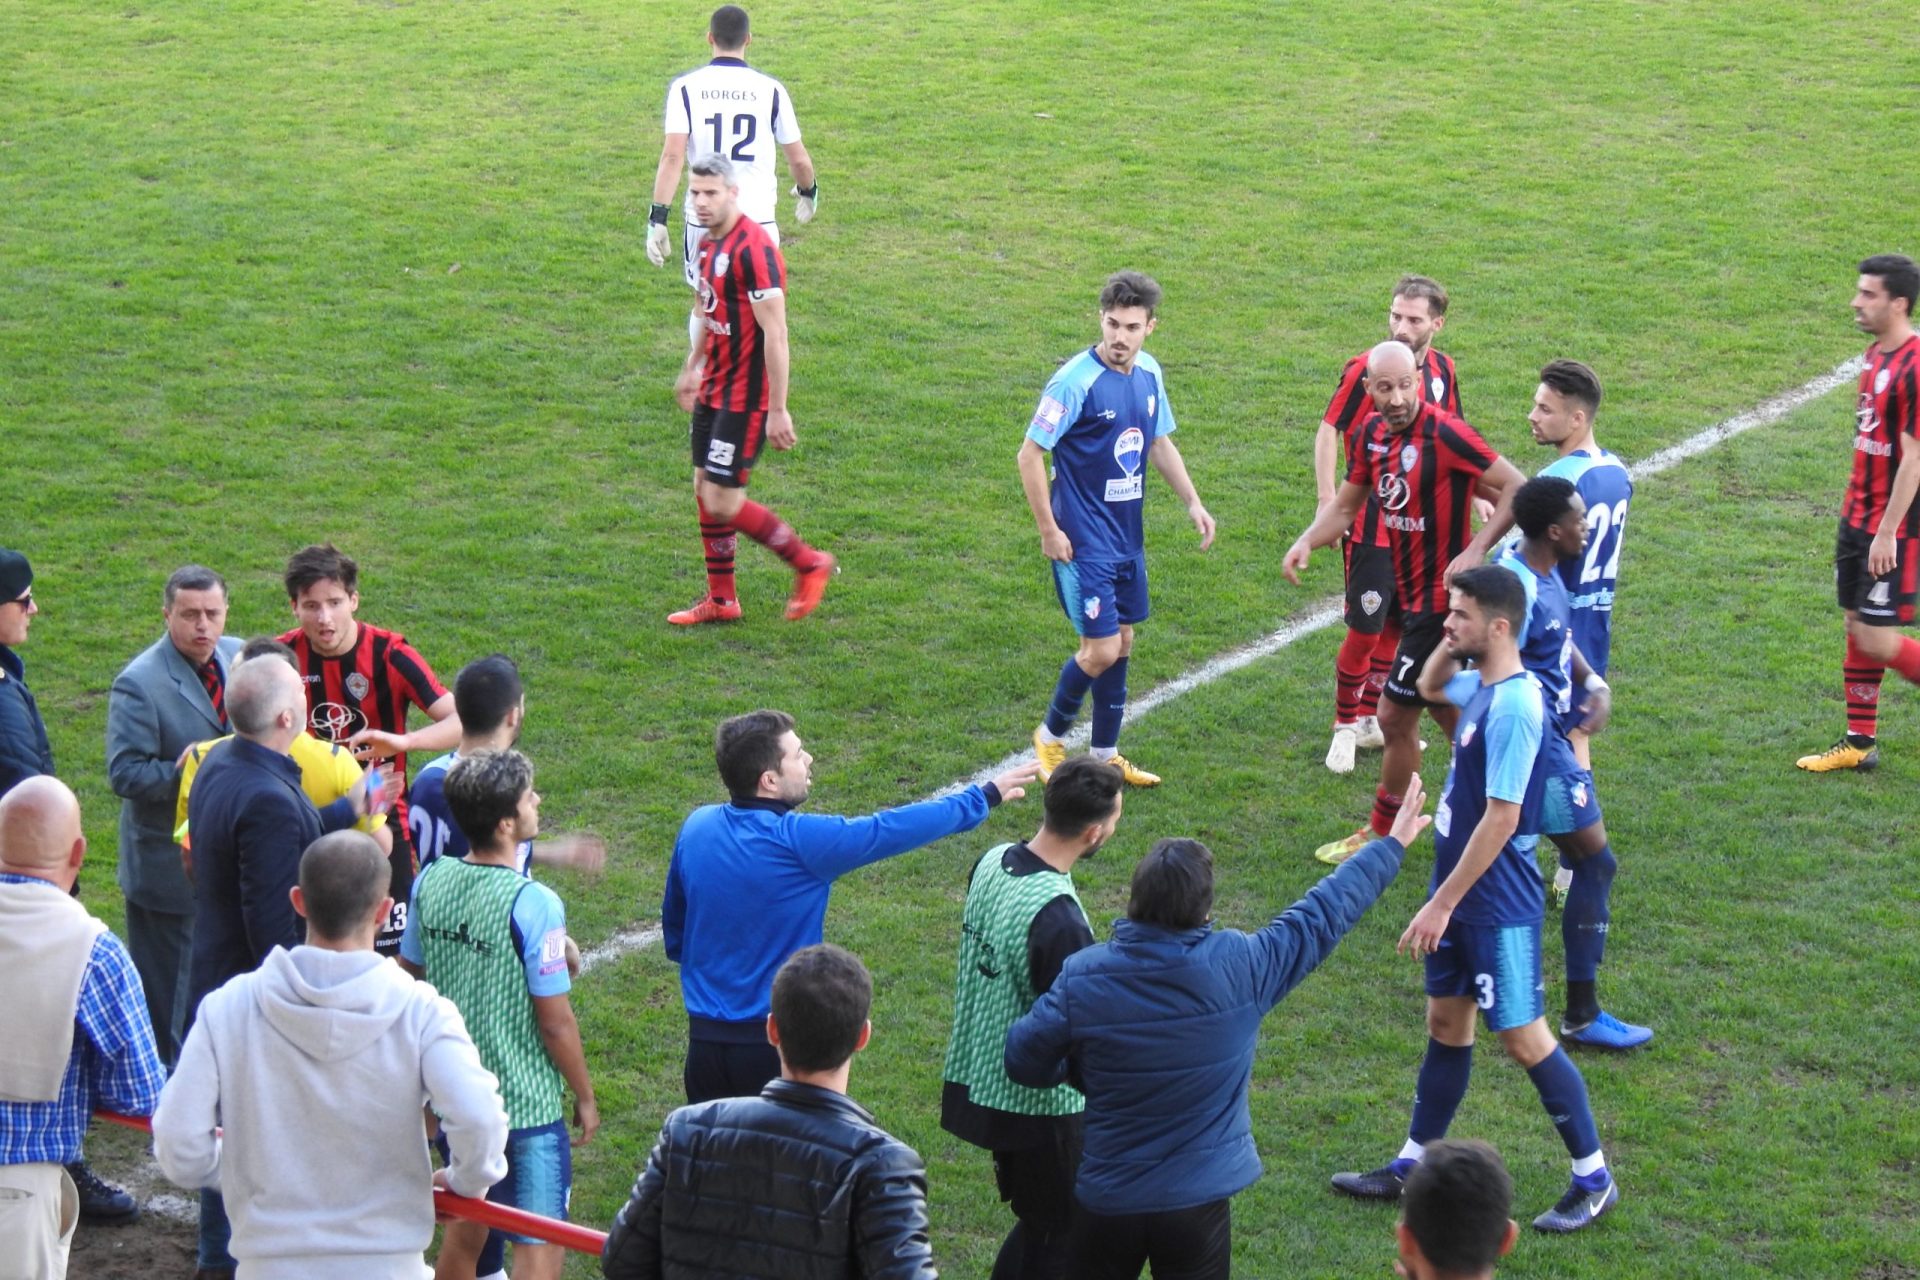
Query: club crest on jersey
1153	404
1439	386
1370	602
1409	455
720	264
1127	448
1880	381
1466	732
356	685
1091	607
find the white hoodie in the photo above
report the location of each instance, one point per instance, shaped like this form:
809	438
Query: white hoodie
317	1065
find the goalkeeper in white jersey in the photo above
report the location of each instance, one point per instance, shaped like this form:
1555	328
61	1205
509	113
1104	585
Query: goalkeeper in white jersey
728	108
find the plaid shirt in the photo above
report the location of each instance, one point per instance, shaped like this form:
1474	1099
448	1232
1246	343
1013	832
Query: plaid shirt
114	1063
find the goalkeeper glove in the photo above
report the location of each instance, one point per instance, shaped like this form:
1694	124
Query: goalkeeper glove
809	201
657	244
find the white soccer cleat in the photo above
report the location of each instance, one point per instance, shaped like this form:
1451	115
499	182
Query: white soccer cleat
1367	735
1340	750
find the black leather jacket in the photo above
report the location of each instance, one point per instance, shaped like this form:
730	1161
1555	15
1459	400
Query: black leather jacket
796	1184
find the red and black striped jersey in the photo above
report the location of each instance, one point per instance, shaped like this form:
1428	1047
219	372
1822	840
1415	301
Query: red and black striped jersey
1424	480
734	269
1351	406
1886	421
368	687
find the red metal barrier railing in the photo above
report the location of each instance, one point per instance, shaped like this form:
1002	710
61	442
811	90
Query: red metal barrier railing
447	1205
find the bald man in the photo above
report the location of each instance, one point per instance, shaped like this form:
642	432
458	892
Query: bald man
251	820
1424	466
77	1032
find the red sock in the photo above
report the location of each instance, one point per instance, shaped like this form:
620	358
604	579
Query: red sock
1386	807
1350	676
1384	647
717	541
1861	675
1907	661
775	534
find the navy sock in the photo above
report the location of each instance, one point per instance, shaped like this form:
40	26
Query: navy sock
1563	1092
1109	705
1583	921
1441	1086
1068	694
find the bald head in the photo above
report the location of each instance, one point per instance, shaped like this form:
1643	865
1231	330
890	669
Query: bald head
260	692
1390	359
40	831
343	877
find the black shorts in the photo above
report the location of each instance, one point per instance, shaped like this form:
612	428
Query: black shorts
1420	635
1885	601
386	940
1370	596
726	442
1037	1183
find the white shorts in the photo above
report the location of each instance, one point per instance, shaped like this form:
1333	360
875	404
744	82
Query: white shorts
690	248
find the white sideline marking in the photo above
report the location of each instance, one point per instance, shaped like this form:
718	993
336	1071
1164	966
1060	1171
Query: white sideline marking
1326	614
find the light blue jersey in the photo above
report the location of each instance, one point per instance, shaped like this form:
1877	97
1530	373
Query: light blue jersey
1099	425
1546	649
1496	754
1591	580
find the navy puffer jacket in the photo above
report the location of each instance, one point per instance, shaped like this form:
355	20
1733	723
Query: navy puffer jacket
1158	1027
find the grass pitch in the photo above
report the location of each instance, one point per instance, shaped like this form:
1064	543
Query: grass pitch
374	272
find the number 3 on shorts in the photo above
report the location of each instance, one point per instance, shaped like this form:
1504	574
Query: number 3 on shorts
1484	981
720	453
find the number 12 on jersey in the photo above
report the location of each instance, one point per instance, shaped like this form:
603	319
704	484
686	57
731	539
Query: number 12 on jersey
744	128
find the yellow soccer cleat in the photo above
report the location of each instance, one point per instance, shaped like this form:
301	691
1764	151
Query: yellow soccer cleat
1135	776
1338	851
1844	754
1050	754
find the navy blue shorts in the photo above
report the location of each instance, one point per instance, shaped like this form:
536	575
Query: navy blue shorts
539	1174
1569	803
1100	596
1498	965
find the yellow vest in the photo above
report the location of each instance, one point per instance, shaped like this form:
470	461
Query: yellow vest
327	772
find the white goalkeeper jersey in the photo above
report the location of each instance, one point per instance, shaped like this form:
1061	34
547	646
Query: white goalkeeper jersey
745	115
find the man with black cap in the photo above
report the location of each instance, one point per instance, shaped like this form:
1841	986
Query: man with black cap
23	735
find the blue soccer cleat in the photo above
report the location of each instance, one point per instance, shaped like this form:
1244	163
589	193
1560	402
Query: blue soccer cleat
1384	1183
1607	1032
1580	1207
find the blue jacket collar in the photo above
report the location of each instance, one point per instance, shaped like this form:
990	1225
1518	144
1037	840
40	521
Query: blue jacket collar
263	757
1134	933
757	802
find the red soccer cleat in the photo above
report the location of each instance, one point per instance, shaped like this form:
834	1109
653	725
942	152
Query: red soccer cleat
809	585
706	609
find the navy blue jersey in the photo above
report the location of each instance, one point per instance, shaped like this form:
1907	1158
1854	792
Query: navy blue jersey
430	822
1606	488
1496	754
1099	425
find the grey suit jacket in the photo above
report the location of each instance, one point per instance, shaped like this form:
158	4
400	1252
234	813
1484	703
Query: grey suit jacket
158	709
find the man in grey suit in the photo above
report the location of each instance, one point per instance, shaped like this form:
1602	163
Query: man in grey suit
168	698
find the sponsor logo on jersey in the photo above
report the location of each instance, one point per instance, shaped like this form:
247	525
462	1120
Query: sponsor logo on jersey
332	721
1051	411
1370	602
1392	491
1406	524
356	685
1128	447
553	951
1091	607
1874	448
1109	414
